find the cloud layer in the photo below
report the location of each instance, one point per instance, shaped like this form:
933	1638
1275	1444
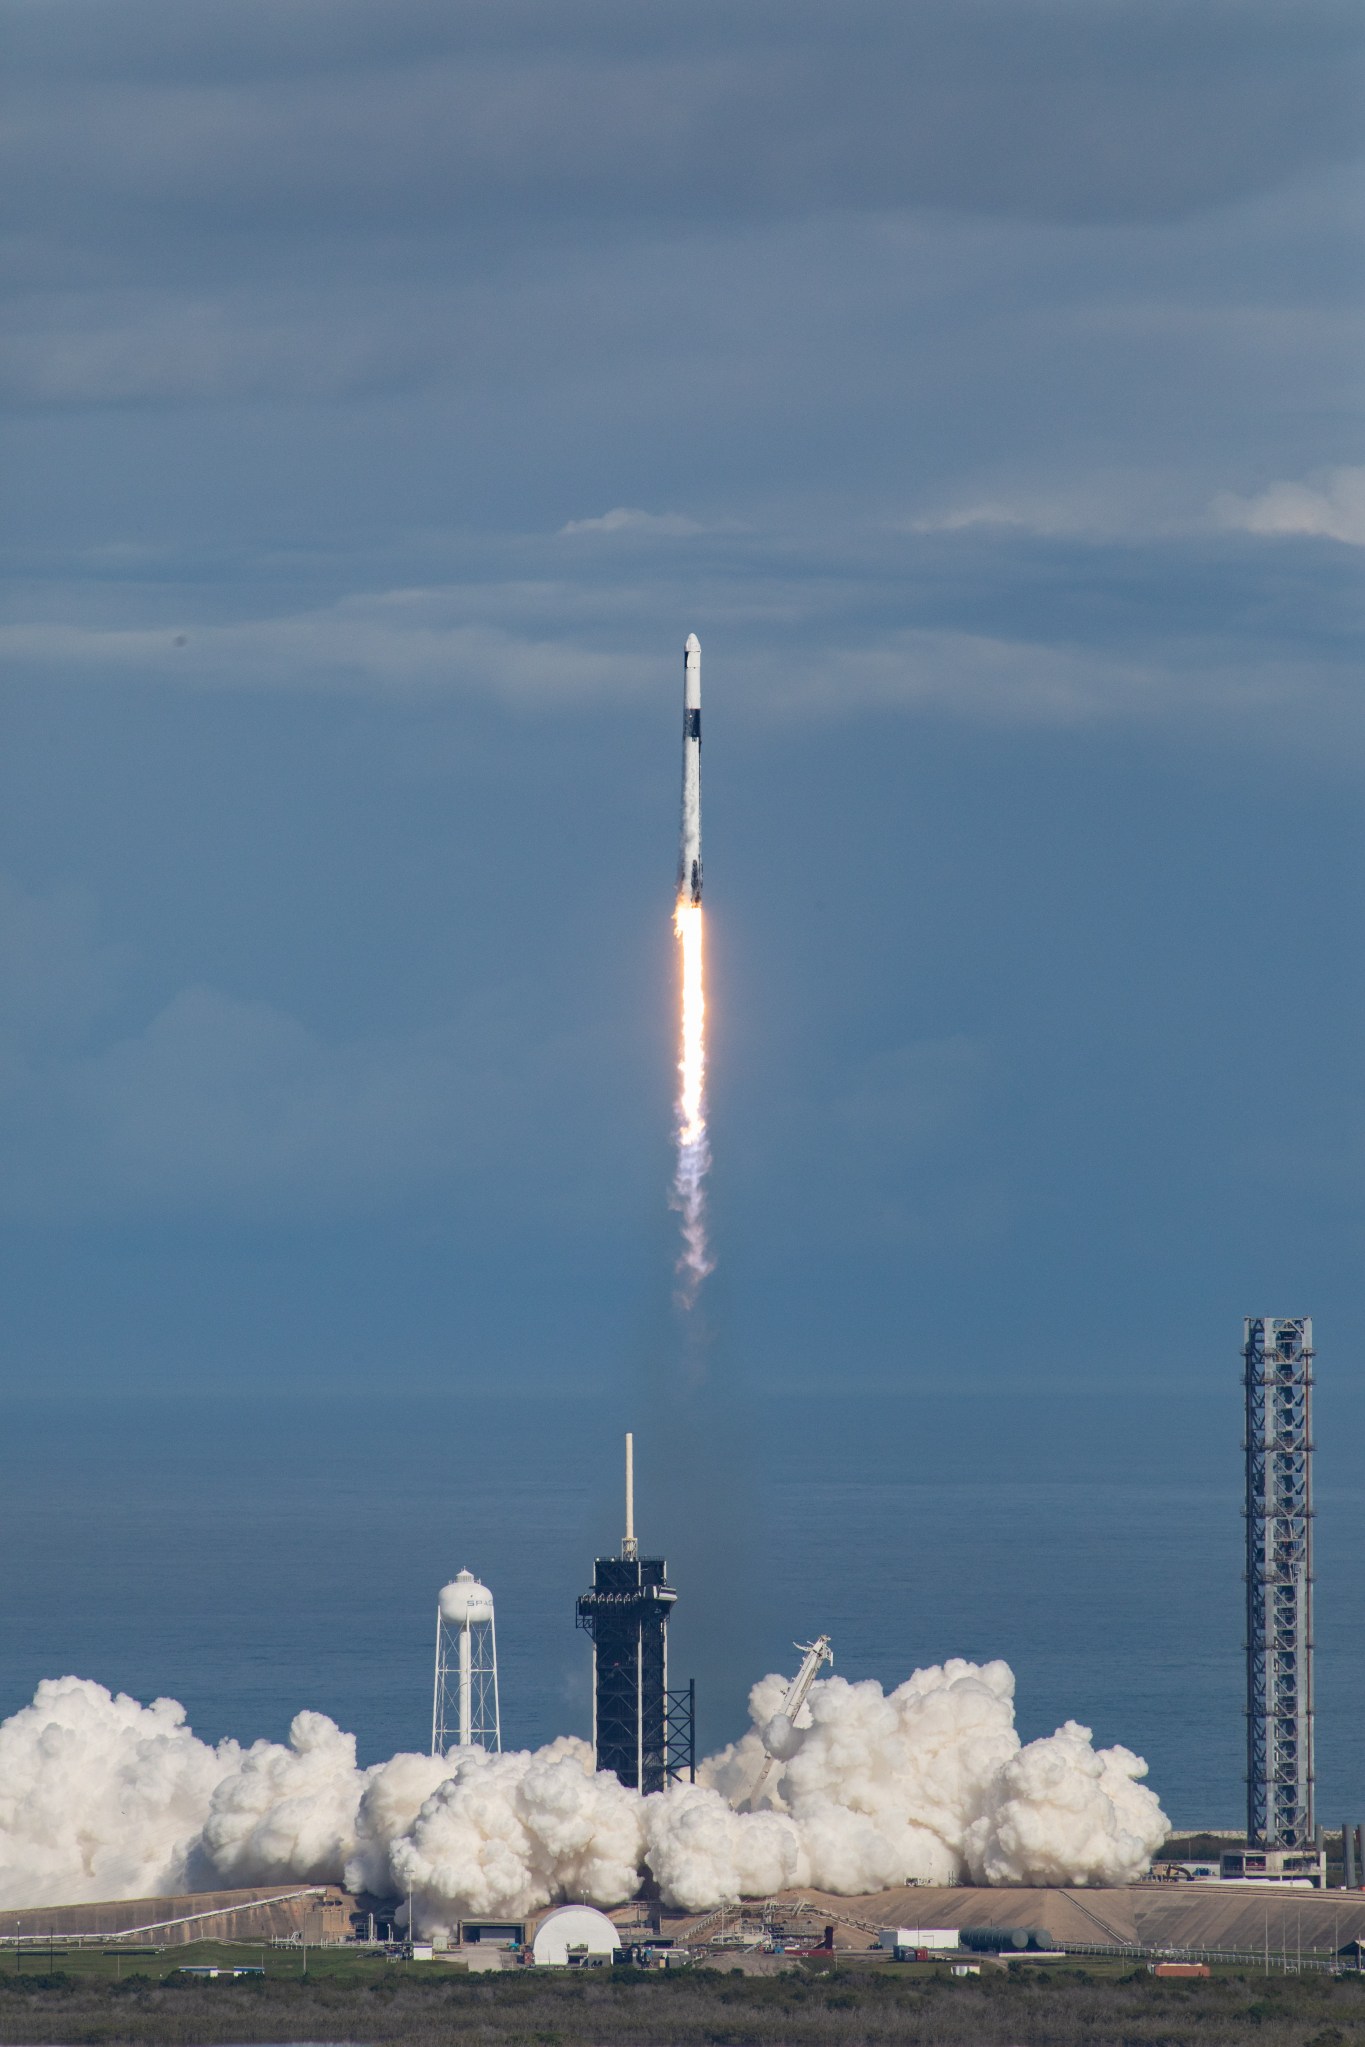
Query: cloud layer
1329	507
303	120
391	390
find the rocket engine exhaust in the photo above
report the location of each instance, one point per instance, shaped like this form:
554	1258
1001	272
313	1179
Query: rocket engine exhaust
694	1154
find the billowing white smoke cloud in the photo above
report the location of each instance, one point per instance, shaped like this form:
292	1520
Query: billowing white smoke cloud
506	1834
103	1798
100	1797
930	1783
1064	1813
389	1804
283	1813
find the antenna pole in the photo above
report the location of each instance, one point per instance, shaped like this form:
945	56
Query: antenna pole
630	1547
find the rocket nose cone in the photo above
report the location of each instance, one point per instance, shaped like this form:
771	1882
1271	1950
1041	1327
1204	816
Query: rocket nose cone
692	645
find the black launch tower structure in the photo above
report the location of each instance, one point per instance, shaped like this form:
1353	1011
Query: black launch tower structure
641	1730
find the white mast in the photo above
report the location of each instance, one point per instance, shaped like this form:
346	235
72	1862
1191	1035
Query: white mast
630	1548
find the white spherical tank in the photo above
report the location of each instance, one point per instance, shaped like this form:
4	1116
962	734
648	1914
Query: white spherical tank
464	1601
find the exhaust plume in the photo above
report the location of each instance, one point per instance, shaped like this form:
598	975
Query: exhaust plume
694	1152
104	1798
694	1155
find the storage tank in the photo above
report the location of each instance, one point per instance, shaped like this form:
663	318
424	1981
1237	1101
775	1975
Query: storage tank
1004	1940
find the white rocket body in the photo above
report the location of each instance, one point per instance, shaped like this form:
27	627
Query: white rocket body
689	851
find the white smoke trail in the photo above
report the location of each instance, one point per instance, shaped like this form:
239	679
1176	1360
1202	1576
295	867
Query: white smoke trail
101	1797
694	1151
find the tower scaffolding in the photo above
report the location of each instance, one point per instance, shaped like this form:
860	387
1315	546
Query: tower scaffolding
1277	1354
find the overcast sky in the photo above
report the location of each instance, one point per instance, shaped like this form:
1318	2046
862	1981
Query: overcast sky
391	387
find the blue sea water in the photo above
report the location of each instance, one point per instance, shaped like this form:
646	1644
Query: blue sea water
251	1557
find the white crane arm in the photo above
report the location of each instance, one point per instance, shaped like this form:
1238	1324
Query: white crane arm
816	1655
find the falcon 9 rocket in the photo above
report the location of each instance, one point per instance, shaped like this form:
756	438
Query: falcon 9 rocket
689	850
694	1153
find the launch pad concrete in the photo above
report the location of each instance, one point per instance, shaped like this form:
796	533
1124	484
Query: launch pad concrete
1150	1917
1233	1918
316	1913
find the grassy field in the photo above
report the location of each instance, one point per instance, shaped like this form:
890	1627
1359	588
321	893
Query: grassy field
96	1998
88	1967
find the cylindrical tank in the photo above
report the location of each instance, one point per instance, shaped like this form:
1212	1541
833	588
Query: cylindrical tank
1000	1940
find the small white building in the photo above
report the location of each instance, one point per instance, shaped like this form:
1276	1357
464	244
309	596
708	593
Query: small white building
573	1936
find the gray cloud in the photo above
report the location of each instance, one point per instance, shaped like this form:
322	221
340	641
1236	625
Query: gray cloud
58	976
388	642
629	519
247	137
1330	506
901	628
220	1105
896	1156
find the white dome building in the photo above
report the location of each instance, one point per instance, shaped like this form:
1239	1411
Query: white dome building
573	1935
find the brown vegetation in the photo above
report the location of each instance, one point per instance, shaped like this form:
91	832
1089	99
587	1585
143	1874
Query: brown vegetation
863	2007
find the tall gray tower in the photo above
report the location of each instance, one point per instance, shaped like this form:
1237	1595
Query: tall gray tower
1278	1356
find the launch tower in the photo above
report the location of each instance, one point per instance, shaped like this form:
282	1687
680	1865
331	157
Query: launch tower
640	1730
1278	1357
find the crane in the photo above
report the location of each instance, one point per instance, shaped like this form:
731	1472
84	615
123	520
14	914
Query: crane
816	1654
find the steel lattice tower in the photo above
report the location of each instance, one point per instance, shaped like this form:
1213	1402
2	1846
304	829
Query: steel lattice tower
1278	1357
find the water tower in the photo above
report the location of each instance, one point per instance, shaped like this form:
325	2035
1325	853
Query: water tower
464	1707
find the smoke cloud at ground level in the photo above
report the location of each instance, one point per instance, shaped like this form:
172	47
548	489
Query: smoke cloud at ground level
102	1798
